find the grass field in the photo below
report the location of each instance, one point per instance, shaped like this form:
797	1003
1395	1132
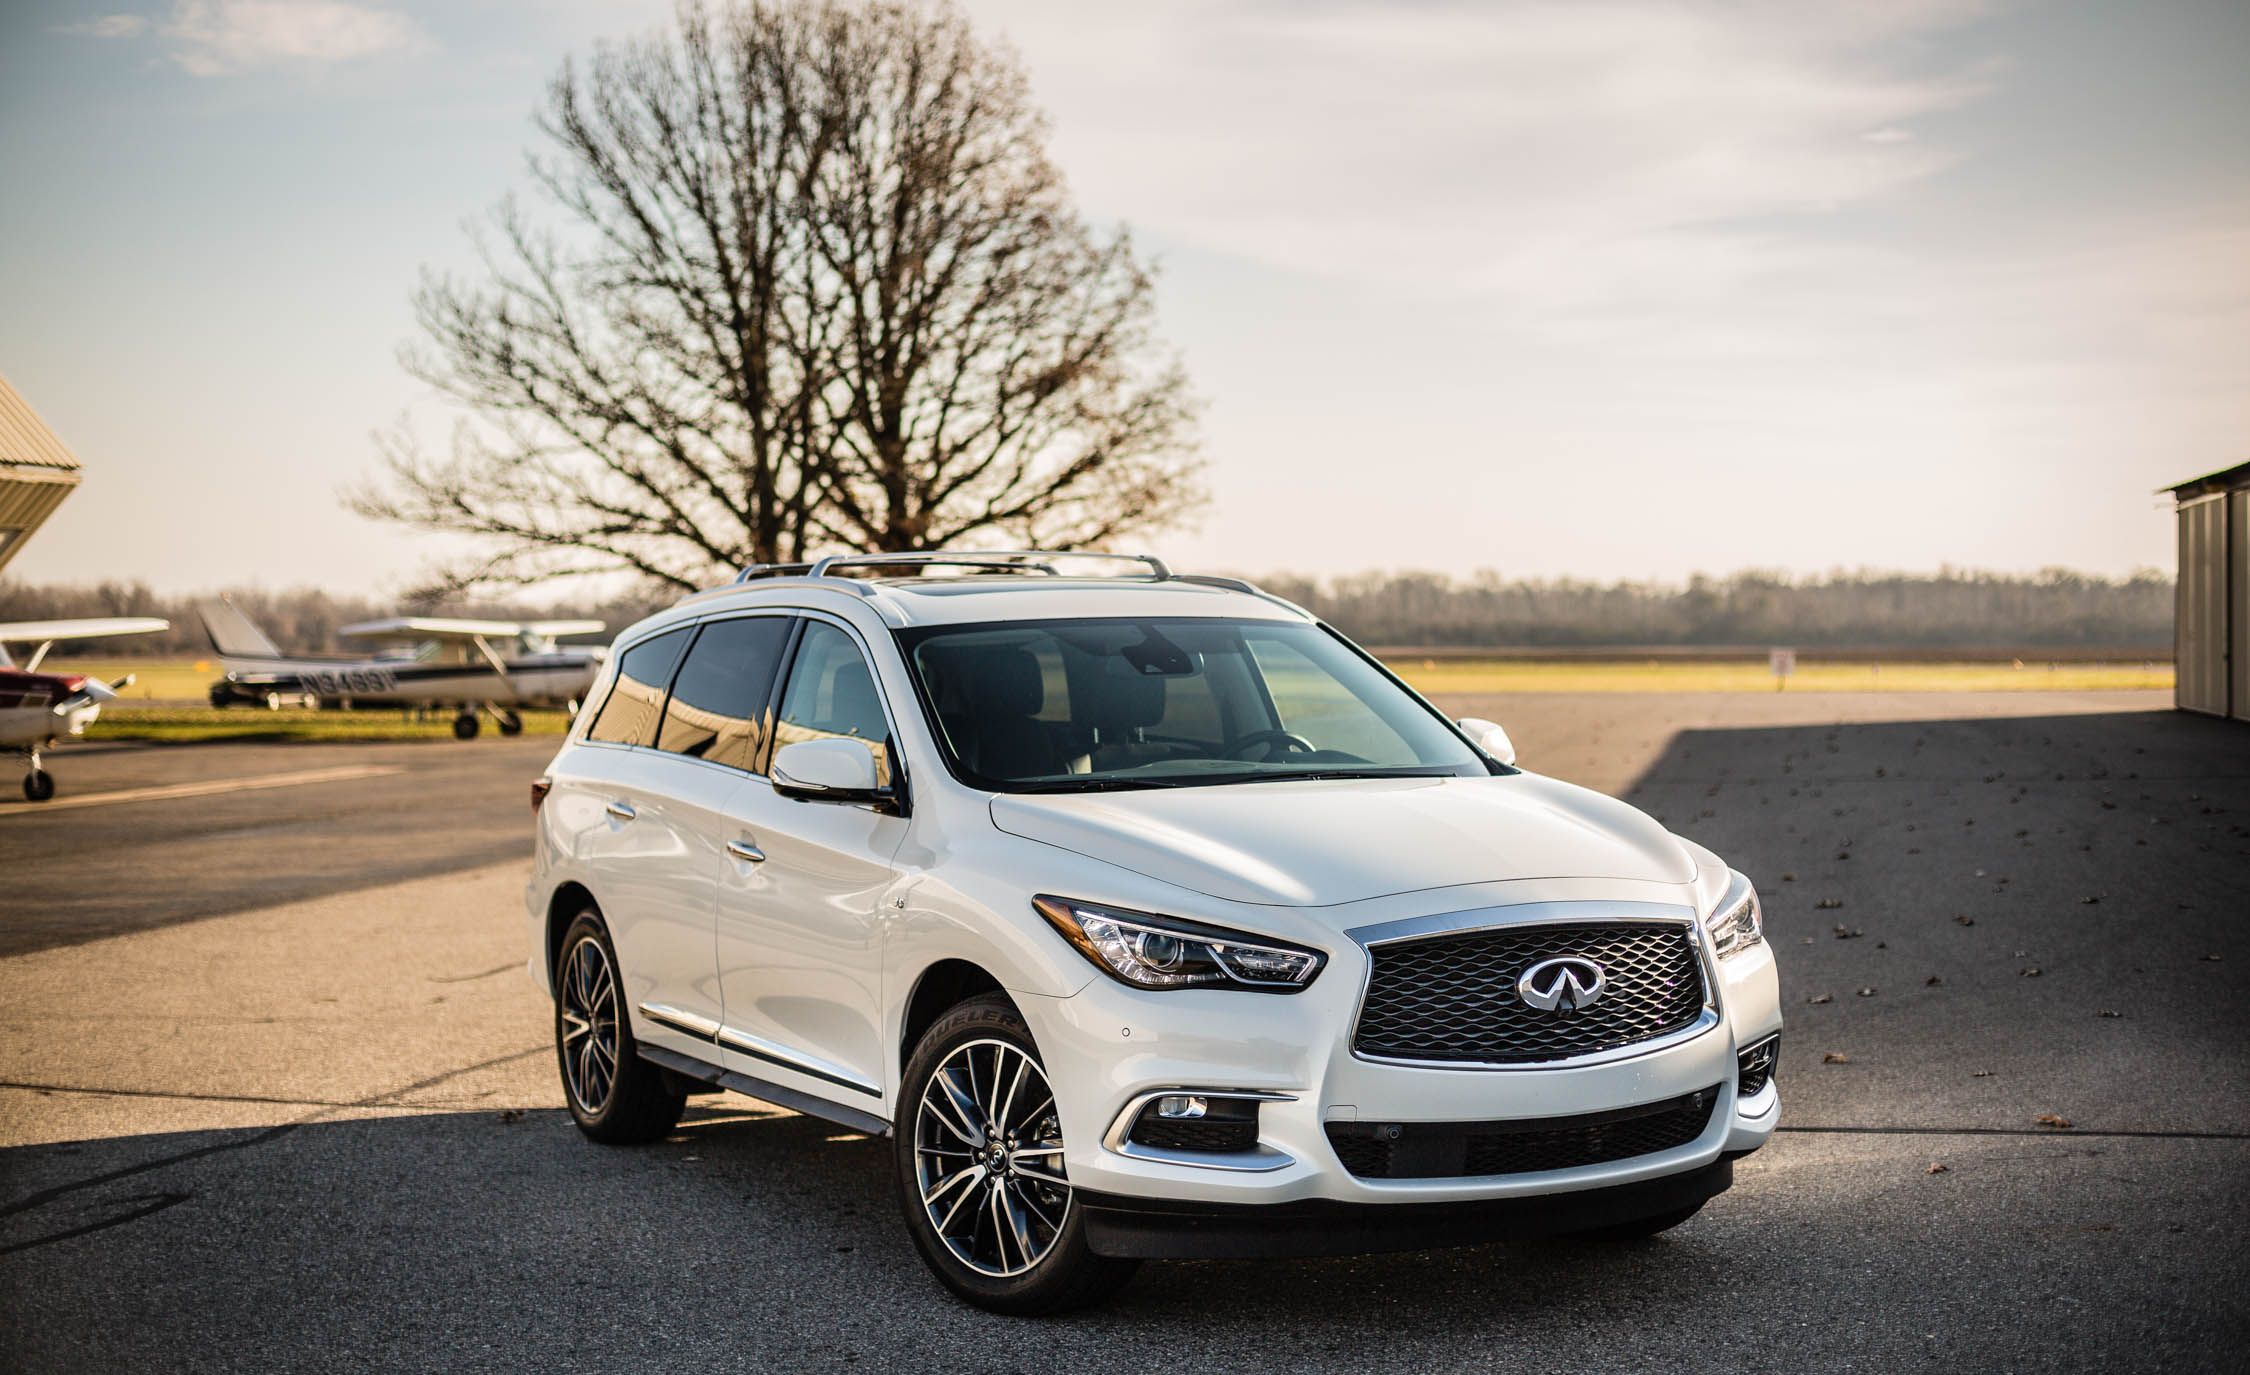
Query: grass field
185	680
154	680
1549	675
187	724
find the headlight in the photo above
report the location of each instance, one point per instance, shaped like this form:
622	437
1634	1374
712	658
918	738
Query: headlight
1736	923
1166	952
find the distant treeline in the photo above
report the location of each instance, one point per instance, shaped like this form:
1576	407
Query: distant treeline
2055	608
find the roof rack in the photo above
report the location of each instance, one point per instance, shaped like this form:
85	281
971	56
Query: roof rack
1005	560
1001	560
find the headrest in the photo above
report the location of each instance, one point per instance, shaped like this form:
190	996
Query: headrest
1118	698
1009	683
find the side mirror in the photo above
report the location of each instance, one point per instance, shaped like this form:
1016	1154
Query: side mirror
1487	736
831	770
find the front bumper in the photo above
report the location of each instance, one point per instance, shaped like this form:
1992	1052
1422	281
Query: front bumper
1117	1225
1109	1046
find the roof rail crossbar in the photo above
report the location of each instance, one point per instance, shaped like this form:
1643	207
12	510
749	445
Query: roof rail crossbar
1022	560
773	570
1243	585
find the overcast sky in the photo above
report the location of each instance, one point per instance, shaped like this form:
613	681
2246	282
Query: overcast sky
1621	289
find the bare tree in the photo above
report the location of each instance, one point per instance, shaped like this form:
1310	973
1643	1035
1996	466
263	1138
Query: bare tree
815	286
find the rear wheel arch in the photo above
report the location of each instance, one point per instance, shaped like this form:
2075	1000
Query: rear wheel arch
562	909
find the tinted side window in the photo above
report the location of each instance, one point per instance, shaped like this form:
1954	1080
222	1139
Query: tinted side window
630	714
719	700
832	693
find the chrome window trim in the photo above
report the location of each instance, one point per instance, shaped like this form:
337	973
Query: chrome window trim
696	623
1572	912
1265	1158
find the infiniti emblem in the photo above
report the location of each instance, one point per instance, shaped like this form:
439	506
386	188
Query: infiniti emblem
1563	984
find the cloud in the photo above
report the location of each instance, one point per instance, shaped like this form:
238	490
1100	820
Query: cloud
1535	148
221	37
108	26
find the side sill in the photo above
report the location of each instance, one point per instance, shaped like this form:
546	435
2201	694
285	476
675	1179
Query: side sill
793	1099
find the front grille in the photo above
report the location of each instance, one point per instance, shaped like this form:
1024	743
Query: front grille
1447	1150
1454	997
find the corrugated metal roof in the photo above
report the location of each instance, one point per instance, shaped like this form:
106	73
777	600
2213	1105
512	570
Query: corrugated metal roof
2224	480
25	439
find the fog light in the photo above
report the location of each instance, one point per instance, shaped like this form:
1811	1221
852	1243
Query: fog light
1182	1106
1758	1064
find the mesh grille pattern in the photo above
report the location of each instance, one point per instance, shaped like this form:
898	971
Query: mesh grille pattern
1454	997
1200	1134
1438	1150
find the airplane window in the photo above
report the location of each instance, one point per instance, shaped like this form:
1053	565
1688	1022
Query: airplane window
630	714
718	707
832	693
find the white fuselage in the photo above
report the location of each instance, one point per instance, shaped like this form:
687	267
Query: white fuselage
549	679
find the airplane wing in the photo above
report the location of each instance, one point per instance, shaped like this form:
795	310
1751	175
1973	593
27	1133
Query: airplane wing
447	628
45	633
34	632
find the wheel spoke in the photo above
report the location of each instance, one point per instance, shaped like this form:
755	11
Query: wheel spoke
1023	1066
968	1176
1045	1100
1030	1199
1018	1229
999	1226
964	1114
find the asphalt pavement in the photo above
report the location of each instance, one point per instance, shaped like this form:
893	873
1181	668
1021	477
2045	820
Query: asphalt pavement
270	1102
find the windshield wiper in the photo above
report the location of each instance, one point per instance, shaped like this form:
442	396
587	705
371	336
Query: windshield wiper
1101	785
1301	776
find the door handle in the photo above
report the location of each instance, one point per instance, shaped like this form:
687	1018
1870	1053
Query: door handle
623	811
744	850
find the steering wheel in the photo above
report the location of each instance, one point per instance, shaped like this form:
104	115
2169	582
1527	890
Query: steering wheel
1274	740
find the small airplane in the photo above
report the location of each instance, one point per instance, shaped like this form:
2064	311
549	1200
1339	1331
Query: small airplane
472	666
39	710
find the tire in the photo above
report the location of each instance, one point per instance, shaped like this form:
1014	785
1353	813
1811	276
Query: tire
511	724
1640	1229
1031	1265
38	785
465	726
626	1101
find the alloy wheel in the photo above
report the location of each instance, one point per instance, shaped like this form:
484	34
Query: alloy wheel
988	1155
589	1026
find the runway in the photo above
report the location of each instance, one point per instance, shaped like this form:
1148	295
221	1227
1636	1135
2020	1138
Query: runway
314	1122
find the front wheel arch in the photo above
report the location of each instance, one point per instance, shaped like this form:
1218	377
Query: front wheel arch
944	985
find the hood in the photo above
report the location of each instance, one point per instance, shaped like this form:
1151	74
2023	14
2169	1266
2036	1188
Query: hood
1323	842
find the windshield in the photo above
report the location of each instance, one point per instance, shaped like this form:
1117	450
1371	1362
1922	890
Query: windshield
1068	706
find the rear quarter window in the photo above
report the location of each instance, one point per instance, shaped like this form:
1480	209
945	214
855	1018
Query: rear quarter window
635	705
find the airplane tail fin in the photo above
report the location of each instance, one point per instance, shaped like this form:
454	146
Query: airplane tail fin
232	633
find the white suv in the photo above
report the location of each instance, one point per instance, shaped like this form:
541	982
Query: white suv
1147	914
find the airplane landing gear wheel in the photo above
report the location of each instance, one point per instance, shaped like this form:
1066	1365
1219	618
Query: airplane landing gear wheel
465	726
511	723
38	785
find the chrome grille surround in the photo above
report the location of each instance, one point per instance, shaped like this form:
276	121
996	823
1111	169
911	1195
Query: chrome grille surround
1673	961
